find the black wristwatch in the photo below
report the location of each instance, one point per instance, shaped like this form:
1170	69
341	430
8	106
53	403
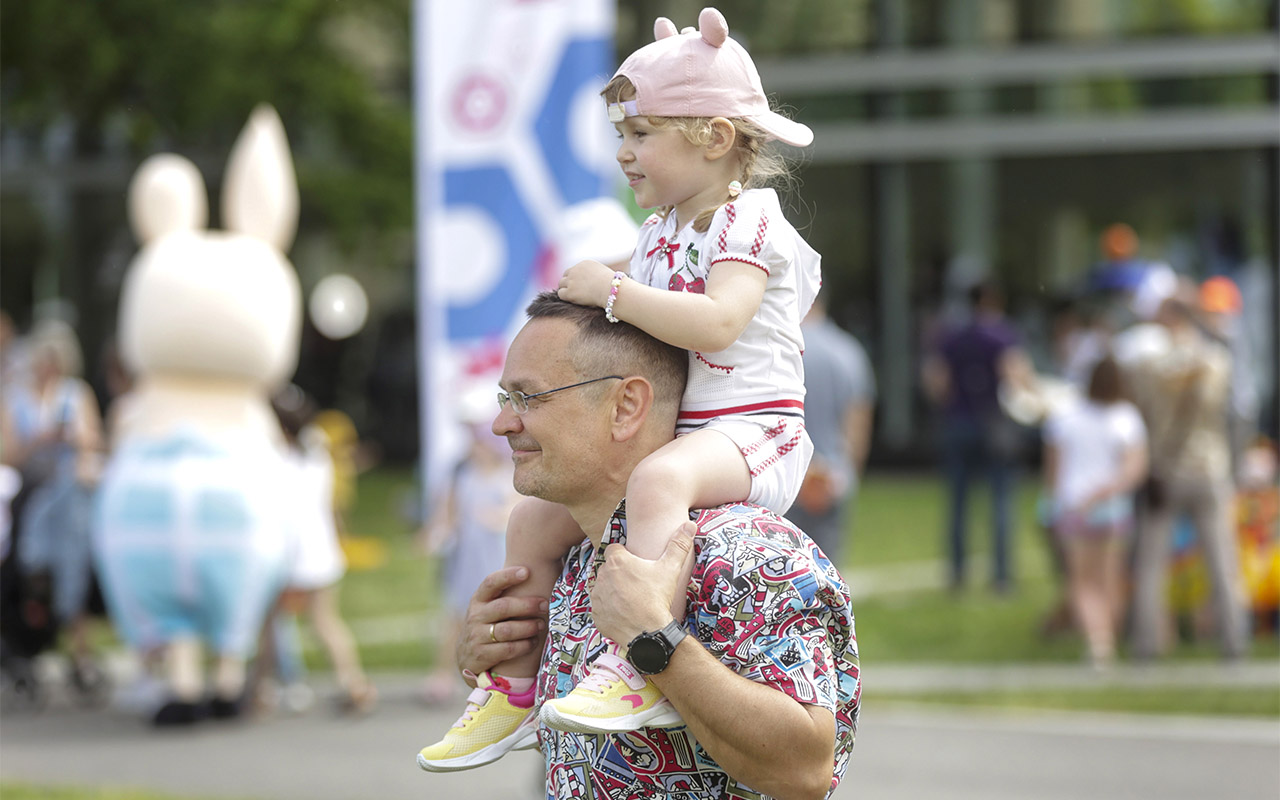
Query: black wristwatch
650	652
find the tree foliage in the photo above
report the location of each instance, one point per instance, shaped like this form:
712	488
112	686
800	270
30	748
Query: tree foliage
144	75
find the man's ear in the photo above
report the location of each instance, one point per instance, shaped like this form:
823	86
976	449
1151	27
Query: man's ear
633	401
723	136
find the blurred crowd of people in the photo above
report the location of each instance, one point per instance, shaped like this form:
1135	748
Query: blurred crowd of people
54	442
1147	419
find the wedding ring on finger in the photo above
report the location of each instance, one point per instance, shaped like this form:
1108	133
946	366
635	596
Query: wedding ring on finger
492	636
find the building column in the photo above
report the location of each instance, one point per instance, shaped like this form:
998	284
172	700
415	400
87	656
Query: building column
892	213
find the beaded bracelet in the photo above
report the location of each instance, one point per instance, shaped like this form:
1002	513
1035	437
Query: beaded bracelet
613	295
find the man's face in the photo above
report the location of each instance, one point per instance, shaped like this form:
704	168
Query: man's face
556	444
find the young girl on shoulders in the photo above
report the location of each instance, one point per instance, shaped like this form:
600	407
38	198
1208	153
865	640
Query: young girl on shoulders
718	271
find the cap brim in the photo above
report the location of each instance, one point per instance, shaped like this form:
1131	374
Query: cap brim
784	130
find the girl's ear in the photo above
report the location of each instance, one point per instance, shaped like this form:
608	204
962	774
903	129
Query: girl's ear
723	137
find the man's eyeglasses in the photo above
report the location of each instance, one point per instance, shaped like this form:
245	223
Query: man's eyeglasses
520	401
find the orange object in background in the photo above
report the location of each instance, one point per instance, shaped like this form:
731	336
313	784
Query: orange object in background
1220	295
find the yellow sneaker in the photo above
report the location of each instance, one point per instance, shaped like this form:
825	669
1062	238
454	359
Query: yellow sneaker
613	698
491	727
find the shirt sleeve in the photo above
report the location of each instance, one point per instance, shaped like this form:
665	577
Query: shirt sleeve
1131	428
741	231
769	612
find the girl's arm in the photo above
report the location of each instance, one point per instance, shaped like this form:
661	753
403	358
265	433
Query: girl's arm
704	322
1131	474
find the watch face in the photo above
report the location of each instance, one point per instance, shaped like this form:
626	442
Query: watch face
648	655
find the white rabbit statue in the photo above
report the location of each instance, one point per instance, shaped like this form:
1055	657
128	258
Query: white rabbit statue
192	536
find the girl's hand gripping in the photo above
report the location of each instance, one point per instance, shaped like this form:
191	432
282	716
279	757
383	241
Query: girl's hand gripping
586	283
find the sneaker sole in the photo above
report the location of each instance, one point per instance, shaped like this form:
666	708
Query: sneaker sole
526	739
656	717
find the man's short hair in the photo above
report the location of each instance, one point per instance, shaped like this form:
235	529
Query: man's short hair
617	347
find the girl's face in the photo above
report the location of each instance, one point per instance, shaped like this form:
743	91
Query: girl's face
664	168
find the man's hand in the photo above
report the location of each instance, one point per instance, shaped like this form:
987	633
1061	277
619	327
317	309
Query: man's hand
586	283
518	623
634	594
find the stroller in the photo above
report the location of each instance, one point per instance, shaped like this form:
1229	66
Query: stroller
29	625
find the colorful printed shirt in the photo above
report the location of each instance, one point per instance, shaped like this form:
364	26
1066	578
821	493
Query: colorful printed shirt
764	600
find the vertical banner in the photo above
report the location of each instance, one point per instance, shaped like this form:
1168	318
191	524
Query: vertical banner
510	133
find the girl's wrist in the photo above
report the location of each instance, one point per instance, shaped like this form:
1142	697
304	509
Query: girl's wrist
614	285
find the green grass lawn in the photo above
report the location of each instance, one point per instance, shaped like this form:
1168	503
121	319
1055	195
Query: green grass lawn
899	520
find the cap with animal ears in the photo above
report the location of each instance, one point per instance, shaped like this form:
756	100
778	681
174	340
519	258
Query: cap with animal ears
701	73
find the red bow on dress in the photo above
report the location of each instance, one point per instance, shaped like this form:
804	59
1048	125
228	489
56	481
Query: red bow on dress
667	249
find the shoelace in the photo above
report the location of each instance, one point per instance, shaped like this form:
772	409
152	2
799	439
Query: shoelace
474	703
600	678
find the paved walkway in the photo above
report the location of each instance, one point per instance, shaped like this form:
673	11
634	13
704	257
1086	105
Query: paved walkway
901	753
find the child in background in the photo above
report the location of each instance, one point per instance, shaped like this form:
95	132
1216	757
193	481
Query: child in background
718	271
1095	456
467	531
316	569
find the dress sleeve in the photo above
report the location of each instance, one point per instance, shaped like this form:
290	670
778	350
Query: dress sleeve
741	231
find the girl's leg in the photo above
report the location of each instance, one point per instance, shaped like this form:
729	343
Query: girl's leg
322	609
263	669
539	535
1093	606
1117	580
700	470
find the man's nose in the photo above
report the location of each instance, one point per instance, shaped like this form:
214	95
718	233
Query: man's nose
507	421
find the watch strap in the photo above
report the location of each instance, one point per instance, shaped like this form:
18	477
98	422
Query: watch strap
673	632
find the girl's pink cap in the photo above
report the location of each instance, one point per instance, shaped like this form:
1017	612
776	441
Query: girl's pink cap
701	73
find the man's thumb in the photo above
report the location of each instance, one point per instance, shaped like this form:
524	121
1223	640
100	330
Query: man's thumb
681	545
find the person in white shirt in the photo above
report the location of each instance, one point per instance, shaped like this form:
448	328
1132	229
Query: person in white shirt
1094	459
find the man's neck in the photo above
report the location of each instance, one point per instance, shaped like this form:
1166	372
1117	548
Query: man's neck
599	501
593	517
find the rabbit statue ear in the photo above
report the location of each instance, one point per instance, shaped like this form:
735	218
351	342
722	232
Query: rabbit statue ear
662	28
713	27
260	192
166	194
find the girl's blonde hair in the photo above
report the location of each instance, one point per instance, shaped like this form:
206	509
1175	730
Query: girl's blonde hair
759	165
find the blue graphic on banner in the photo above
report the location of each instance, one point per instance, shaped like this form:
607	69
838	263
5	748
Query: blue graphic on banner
582	64
492	191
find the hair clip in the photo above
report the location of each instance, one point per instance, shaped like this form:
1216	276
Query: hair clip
620	111
735	188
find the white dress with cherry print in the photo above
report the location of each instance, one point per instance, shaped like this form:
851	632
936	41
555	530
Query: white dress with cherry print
753	390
